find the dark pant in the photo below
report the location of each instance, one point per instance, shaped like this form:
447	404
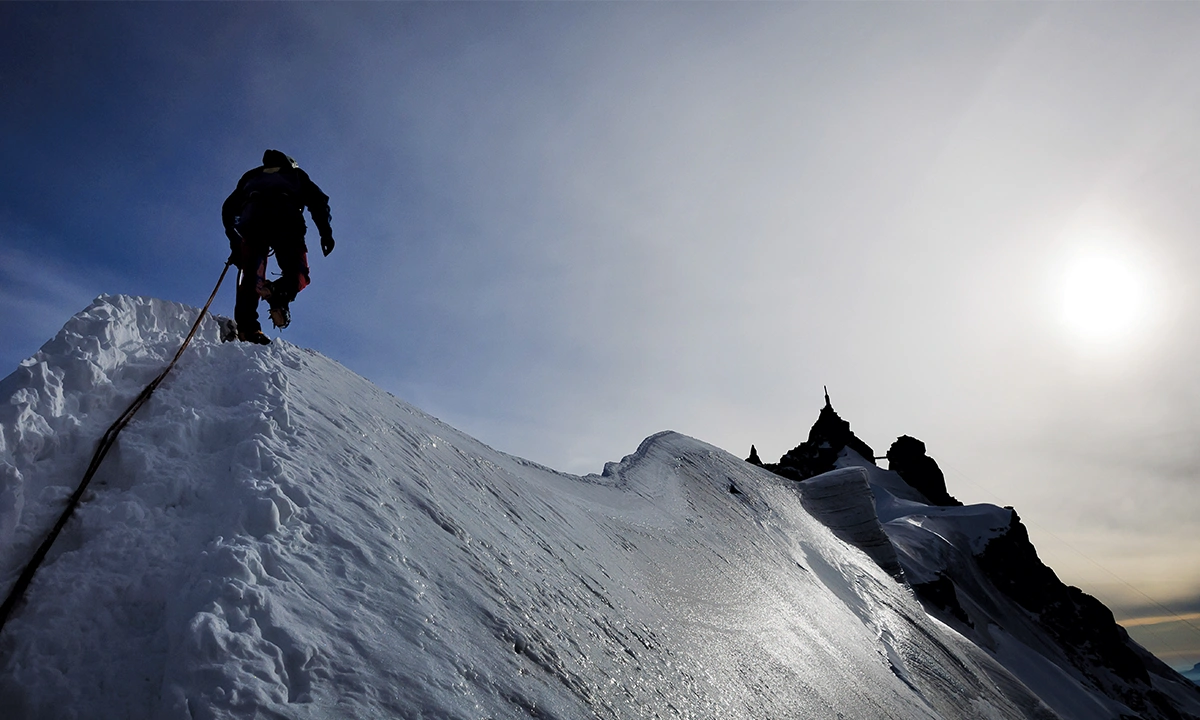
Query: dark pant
292	256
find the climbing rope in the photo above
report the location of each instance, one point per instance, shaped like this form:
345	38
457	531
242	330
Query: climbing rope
106	443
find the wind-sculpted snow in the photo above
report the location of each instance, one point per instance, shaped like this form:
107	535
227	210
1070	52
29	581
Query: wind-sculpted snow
276	537
57	404
941	550
842	500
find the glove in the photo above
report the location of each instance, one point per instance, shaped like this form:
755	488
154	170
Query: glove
327	245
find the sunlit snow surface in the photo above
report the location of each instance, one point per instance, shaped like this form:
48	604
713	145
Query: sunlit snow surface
276	537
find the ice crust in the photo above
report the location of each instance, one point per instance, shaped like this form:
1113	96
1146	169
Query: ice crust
273	536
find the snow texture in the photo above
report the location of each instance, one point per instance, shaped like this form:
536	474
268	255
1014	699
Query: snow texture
843	501
935	542
273	536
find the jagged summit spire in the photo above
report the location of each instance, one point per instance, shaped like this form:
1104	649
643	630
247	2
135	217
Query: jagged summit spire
754	459
832	431
828	435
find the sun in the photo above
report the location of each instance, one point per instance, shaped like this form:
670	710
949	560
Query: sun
1103	297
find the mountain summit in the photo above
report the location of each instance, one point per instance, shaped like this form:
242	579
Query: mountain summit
273	536
975	568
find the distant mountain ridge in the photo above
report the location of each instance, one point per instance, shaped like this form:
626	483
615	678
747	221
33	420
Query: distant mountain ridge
1193	674
989	583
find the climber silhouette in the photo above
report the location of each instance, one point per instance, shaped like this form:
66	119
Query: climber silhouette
264	214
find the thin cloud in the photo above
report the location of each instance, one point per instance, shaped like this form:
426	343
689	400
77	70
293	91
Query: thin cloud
1158	619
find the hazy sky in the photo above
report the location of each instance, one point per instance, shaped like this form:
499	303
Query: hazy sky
563	227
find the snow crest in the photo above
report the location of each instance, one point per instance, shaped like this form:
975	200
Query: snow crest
56	405
273	536
843	501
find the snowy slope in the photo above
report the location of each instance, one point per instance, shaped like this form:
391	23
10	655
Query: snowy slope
276	537
944	543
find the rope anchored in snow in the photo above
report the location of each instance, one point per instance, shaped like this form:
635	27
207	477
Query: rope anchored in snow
105	444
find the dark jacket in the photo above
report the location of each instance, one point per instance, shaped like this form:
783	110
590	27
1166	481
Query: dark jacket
272	200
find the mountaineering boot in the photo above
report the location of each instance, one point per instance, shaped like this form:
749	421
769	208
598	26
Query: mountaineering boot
280	317
255	336
228	328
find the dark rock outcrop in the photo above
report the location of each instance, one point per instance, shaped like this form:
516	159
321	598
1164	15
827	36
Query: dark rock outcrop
829	434
941	595
906	457
1004	584
1082	626
754	459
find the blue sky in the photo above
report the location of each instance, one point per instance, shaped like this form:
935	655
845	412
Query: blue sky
563	227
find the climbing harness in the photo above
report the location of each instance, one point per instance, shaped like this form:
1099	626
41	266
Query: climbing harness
106	443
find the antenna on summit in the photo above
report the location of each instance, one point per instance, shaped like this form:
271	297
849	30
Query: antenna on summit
827	403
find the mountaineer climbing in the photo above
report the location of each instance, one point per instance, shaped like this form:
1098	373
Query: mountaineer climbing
265	213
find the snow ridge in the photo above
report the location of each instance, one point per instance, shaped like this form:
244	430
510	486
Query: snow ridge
275	536
943	549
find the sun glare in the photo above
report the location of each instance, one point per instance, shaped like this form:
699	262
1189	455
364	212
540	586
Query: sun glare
1103	297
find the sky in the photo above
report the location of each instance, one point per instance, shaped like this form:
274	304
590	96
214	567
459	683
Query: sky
563	227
